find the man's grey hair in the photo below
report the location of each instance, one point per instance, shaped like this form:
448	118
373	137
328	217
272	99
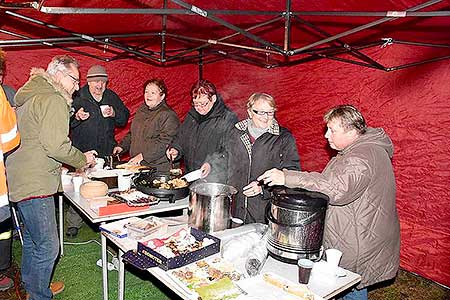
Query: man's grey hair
61	63
349	117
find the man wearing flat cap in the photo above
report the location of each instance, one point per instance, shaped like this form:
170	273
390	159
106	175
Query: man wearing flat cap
97	111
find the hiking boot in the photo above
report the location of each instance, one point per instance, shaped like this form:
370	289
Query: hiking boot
5	283
56	287
72	232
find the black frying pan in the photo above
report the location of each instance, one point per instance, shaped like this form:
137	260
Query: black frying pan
144	183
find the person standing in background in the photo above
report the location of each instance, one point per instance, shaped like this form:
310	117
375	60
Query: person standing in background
9	140
362	219
9	91
43	112
203	130
98	111
153	128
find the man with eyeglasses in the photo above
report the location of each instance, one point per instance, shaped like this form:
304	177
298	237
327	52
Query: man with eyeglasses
204	128
34	169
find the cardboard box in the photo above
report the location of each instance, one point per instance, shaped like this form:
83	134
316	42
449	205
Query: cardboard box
146	257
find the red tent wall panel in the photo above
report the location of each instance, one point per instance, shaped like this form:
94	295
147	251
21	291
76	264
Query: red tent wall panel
412	105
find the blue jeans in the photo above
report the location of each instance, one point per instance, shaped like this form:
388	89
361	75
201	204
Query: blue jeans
356	295
40	245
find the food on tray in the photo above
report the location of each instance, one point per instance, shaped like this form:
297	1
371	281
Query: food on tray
179	243
299	290
134	197
139	228
175	183
133	168
223	289
176	172
206	272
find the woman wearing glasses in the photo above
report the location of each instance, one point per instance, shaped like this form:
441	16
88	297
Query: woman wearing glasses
204	128
256	145
154	126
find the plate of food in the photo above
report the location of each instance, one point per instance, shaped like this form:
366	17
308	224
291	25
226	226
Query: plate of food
211	278
133	197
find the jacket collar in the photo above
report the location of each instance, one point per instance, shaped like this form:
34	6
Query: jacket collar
38	72
273	129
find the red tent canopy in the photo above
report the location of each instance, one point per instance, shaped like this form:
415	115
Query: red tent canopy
389	58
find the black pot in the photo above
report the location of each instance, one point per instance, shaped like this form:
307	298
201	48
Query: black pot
296	223
144	183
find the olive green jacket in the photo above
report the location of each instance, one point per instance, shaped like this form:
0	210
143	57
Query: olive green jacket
43	110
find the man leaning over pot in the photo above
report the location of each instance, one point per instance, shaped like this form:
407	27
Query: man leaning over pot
362	219
34	169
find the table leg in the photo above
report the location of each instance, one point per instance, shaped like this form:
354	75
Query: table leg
121	276
104	267
61	224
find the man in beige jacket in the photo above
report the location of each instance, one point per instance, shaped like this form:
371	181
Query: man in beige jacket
362	219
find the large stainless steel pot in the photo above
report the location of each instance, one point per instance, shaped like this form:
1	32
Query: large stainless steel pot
296	223
210	206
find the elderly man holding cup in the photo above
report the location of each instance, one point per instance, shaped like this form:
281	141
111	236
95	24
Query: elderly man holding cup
362	219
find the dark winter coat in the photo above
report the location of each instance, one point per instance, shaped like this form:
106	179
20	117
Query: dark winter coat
245	162
199	137
97	132
43	108
362	219
152	130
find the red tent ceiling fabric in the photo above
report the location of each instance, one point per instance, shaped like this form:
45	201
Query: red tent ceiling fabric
412	105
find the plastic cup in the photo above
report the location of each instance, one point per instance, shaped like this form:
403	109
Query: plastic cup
304	270
333	258
77	182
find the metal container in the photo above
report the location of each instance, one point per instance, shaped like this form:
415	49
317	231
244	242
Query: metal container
296	223
210	206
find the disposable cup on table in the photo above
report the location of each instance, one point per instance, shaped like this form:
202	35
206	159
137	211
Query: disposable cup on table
77	182
304	270
333	258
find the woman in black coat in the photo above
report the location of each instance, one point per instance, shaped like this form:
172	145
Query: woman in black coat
203	130
255	145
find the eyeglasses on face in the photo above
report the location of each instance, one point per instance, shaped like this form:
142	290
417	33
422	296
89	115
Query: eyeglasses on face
74	79
200	104
264	113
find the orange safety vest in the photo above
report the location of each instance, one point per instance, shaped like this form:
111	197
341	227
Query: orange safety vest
9	139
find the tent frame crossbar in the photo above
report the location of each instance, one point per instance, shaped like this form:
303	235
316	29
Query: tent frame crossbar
259	52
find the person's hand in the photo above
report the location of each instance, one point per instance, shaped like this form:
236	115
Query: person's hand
109	112
273	177
171	153
90	157
117	150
136	160
252	189
82	115
206	168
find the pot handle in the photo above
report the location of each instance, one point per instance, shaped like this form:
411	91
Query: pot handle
303	222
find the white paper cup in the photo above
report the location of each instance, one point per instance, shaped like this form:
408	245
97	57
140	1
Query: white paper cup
99	163
103	108
77	182
333	258
124	180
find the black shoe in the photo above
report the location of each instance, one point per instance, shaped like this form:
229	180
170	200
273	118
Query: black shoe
72	232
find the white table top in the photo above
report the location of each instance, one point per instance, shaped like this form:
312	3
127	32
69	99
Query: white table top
83	205
325	289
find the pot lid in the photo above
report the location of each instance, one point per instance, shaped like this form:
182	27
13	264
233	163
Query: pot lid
295	198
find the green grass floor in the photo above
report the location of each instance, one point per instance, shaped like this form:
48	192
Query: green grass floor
83	278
